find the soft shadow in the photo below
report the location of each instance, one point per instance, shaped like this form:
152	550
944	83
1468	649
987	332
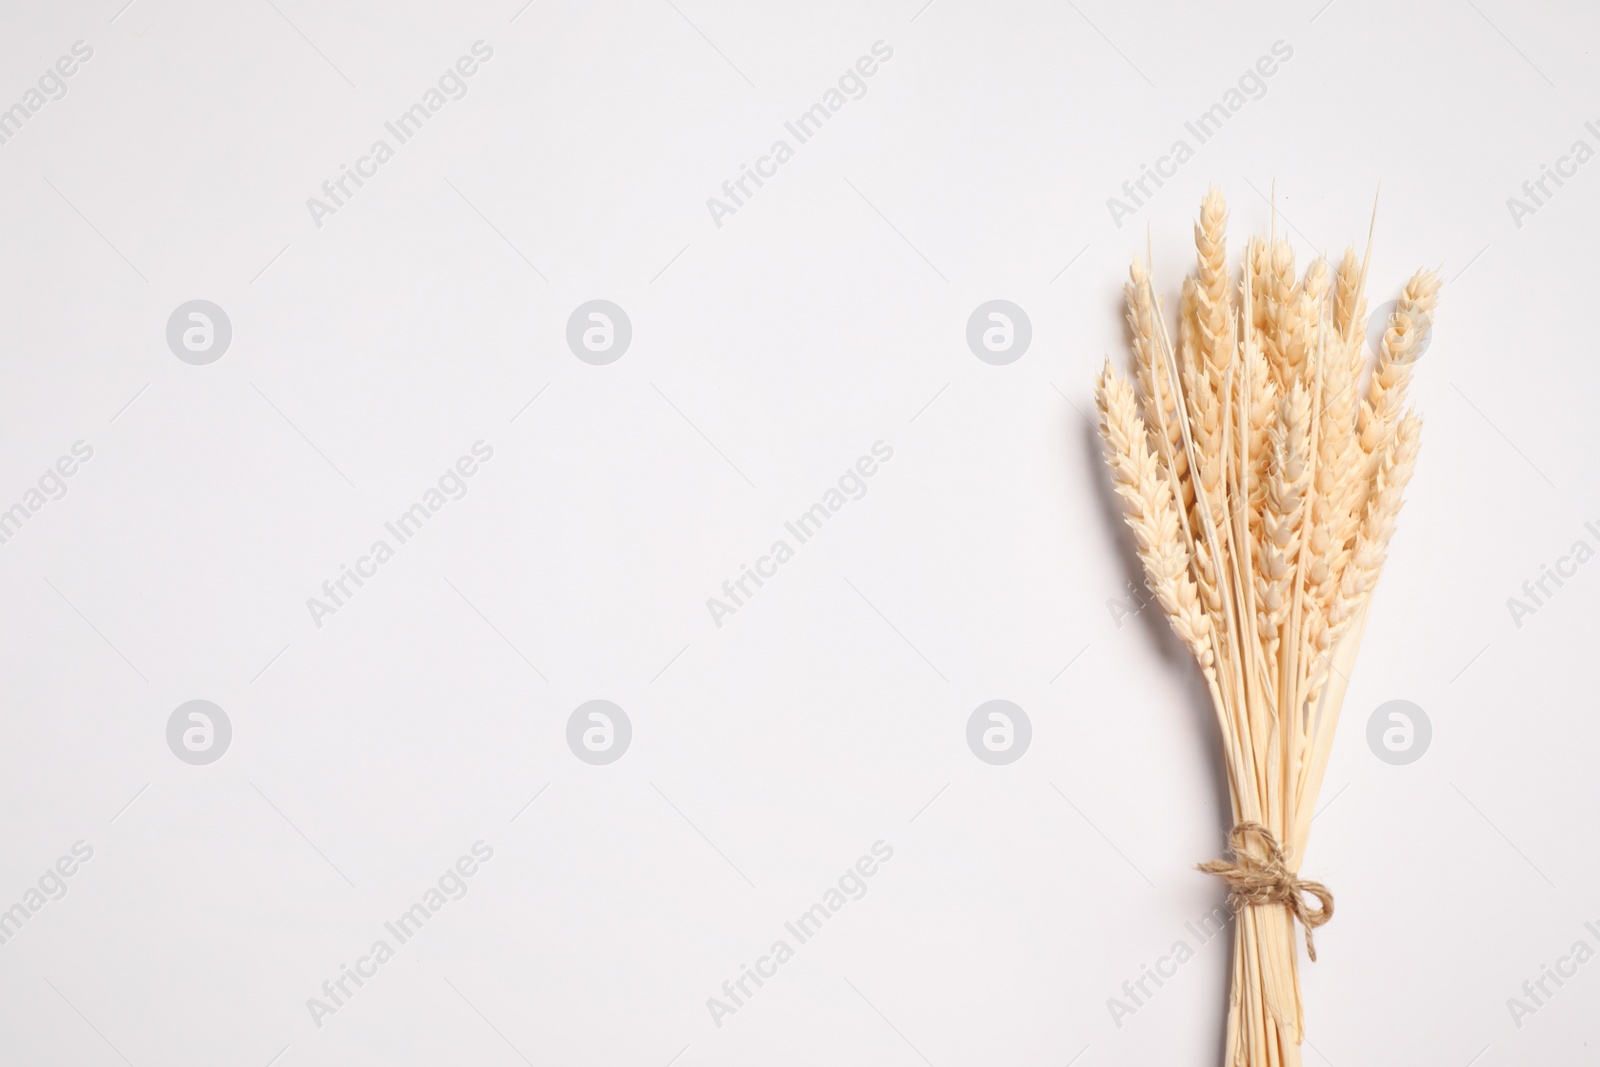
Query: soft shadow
1174	657
1152	624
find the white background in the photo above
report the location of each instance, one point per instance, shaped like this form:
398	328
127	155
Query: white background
768	354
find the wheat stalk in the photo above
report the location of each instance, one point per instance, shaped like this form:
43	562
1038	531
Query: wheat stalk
1262	491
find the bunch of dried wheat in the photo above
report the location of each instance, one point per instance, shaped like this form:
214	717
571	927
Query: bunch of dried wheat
1262	490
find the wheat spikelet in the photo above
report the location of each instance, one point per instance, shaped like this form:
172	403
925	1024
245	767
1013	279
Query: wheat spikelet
1281	330
1298	323
1256	263
1284	511
1150	513
1210	324
1205	426
1350	303
1339	463
1311	296
1188	325
1377	524
1398	351
1206	345
1396	355
1156	388
1213	309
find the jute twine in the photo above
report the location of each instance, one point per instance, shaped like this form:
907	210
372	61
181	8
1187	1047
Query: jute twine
1253	882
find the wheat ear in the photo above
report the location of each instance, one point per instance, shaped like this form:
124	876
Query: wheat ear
1149	509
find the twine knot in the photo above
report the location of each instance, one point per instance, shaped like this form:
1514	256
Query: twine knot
1253	881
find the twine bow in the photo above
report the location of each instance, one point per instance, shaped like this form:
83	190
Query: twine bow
1253	881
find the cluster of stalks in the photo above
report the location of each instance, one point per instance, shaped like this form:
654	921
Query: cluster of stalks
1261	464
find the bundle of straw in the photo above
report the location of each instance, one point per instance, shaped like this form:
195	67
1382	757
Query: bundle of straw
1262	489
